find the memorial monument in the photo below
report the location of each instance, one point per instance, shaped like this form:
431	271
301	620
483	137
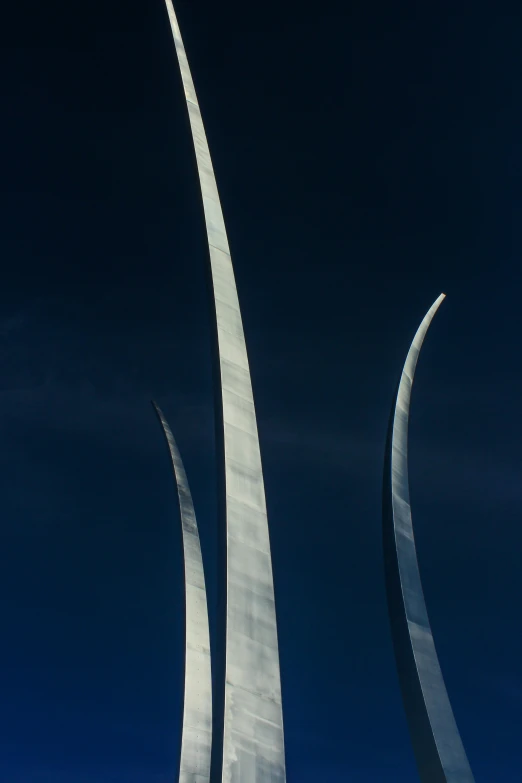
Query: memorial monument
196	736
436	741
248	719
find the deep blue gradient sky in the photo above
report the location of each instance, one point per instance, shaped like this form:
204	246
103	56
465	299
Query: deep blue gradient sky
369	156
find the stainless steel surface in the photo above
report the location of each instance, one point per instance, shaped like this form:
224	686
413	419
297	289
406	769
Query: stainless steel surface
253	743
438	748
196	739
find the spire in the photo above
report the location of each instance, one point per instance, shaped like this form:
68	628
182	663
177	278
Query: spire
196	739
437	745
251	725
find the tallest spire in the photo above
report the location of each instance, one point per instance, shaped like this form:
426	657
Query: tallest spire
252	729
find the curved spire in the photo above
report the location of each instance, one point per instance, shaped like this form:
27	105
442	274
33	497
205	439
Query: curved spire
196	739
437	745
252	732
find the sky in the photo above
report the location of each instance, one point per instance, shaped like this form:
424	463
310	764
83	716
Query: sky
369	157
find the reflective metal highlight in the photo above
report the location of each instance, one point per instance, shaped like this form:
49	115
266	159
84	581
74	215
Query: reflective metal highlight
252	736
196	739
437	745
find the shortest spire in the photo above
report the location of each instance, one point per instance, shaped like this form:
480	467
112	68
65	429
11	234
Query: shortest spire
196	740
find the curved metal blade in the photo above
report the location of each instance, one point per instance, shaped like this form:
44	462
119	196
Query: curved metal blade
252	727
196	739
437	745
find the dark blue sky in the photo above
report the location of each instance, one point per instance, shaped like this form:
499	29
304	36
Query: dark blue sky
369	156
